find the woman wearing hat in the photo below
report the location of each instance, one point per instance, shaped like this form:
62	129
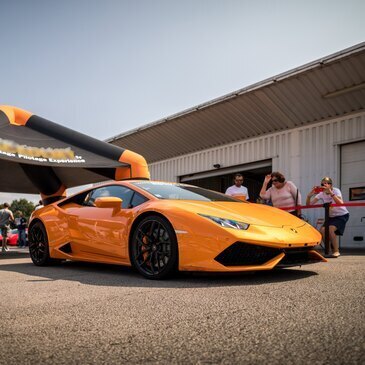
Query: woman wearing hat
338	216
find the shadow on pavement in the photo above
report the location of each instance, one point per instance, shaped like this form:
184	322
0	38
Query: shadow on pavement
14	253
352	252
110	275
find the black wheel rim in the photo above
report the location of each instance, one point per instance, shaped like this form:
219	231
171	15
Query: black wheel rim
153	248
37	244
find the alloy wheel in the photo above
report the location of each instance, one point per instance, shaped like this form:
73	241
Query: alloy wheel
155	248
38	244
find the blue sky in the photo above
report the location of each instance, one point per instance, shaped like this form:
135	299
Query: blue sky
106	67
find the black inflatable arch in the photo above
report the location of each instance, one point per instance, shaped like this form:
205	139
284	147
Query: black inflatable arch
40	156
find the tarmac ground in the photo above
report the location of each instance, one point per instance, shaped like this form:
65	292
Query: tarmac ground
81	313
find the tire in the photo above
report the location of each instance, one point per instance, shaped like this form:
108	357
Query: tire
153	248
38	245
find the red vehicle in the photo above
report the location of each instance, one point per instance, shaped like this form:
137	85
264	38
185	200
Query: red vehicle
12	237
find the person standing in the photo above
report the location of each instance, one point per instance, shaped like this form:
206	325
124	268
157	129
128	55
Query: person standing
237	190
282	193
21	223
338	216
6	216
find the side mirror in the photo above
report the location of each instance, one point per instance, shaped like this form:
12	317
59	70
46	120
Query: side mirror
109	202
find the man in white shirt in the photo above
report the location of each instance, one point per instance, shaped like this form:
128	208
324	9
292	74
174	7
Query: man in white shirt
237	190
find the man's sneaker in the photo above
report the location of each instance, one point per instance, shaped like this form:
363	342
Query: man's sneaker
332	255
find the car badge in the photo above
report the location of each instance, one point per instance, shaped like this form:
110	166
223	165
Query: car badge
293	230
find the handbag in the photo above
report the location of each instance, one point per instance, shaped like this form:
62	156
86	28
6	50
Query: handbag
296	211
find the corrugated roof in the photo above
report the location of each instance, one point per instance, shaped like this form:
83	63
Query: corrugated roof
330	87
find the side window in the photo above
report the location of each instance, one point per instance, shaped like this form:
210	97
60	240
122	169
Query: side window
121	192
87	200
113	190
137	200
94	194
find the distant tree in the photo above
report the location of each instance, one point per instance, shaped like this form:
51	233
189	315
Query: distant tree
25	206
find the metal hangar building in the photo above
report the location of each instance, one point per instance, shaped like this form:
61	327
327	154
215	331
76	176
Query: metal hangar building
307	123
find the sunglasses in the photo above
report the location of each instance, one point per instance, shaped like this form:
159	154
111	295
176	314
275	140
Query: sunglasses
274	180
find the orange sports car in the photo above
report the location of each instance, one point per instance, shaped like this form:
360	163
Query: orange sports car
159	228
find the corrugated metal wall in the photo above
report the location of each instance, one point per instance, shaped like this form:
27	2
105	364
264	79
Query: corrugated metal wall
304	155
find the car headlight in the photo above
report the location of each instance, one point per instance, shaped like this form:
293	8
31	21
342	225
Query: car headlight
227	223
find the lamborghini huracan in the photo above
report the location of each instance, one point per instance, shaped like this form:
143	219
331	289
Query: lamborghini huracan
159	228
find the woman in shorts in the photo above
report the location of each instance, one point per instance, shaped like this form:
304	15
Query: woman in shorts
338	216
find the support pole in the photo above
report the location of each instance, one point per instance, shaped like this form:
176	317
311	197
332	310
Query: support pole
326	228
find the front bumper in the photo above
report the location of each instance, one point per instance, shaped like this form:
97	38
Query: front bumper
243	254
212	248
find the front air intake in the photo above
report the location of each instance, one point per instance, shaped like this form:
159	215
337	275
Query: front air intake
241	253
298	256
66	248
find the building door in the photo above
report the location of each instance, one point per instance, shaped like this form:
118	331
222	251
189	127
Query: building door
353	189
222	178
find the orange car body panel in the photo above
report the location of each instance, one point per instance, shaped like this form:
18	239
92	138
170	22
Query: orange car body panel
102	235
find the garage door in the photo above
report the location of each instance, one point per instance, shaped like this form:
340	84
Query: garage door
352	183
220	179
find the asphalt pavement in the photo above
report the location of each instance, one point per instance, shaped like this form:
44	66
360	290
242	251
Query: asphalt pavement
80	313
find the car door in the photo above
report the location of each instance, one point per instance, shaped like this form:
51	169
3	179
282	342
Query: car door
103	232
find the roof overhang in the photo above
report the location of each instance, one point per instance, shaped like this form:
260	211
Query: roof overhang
329	87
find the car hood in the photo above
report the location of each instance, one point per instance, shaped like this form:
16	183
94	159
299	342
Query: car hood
255	214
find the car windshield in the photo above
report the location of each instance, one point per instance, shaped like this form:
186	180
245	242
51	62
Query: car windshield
162	190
